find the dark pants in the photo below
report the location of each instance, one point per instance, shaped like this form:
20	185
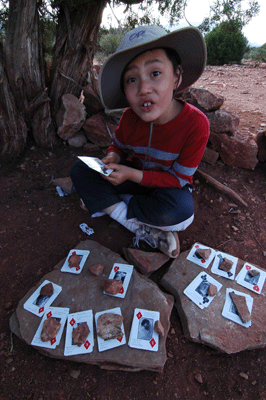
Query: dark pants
153	206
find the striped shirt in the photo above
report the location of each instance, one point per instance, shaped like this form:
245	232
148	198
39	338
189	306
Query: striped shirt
175	151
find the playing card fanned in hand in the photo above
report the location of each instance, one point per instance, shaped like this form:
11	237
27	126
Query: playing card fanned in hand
73	322
142	334
37	303
201	255
229	310
96	164
219	260
111	343
198	290
251	277
60	315
79	258
121	272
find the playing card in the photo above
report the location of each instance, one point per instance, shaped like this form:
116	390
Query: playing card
121	272
219	258
254	283
38	303
96	164
197	290
73	321
110	344
84	227
197	259
229	310
142	334
83	257
60	314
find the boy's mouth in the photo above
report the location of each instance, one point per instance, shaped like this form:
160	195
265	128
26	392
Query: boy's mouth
146	105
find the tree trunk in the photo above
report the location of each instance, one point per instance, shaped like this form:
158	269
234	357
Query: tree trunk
25	70
13	130
77	32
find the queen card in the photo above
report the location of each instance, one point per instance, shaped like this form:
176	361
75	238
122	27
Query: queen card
229	309
79	333
224	265
202	290
121	272
111	326
201	255
42	298
75	261
251	277
142	334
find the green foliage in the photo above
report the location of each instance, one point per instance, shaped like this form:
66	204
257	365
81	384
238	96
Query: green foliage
256	53
3	18
225	44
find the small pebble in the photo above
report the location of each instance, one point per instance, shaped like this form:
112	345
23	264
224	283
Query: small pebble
198	378
8	305
243	375
74	374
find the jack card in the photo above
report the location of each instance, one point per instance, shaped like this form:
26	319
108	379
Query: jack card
250	279
197	290
194	257
60	314
77	269
96	164
219	258
121	272
104	345
73	321
229	310
142	334
37	303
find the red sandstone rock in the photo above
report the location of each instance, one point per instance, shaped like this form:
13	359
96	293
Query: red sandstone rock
226	265
74	261
204	253
212	290
253	272
47	290
96	269
146	262
50	329
203	99
80	334
158	328
112	286
109	326
71	116
241	307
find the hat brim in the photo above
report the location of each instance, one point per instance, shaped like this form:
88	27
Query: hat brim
187	42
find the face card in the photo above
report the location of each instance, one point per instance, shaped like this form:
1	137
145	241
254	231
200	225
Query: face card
219	258
229	310
60	314
104	345
121	272
249	280
37	303
199	260
142	334
96	164
83	254
197	290
73	321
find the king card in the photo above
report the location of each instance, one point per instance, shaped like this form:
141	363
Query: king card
229	310
104	345
224	259
142	334
251	277
37	303
201	255
60	315
198	290
96	164
121	272
79	258
86	344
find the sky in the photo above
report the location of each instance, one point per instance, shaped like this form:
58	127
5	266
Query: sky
196	11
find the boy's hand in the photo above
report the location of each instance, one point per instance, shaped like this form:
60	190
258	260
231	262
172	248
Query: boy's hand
111	157
123	173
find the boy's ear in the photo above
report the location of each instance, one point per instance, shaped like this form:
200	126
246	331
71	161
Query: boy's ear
178	79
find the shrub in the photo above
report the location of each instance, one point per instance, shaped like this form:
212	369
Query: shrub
257	53
226	44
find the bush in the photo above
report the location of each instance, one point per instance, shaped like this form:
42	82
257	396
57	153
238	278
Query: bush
257	53
226	44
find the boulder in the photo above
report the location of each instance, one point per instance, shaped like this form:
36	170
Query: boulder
145	262
92	101
223	121
210	156
203	99
208	326
71	117
99	129
78	140
261	142
84	292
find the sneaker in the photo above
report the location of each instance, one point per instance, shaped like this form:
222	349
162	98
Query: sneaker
82	205
166	241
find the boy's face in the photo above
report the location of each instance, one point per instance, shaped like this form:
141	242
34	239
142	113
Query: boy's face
149	82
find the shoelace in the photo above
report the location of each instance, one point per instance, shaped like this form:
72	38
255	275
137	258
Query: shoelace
146	237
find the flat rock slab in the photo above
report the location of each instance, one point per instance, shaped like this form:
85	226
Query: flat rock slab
145	262
84	292
207	326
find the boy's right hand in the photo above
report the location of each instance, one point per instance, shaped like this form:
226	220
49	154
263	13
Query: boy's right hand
111	157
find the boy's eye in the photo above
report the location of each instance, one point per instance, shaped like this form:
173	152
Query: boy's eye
131	79
156	73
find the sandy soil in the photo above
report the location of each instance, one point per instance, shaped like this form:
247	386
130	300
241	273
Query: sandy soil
37	229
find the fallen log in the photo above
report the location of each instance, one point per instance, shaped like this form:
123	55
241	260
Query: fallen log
219	187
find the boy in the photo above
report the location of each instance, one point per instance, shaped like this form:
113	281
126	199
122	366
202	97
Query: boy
159	142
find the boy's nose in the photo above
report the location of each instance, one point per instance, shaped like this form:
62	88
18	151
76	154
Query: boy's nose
144	87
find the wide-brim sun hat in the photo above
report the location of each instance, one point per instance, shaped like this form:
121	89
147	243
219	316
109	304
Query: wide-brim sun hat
187	42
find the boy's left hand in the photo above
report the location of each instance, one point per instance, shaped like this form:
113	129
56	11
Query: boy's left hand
122	173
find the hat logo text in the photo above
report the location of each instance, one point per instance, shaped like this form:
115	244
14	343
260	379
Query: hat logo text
136	35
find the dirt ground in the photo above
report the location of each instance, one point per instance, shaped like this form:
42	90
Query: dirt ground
38	228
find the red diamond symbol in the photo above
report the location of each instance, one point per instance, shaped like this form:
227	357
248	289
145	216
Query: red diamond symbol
203	261
87	344
72	322
41	309
74	253
139	315
116	268
152	342
197	246
49	314
120	339
53	340
248	267
256	288
78	268
121	291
